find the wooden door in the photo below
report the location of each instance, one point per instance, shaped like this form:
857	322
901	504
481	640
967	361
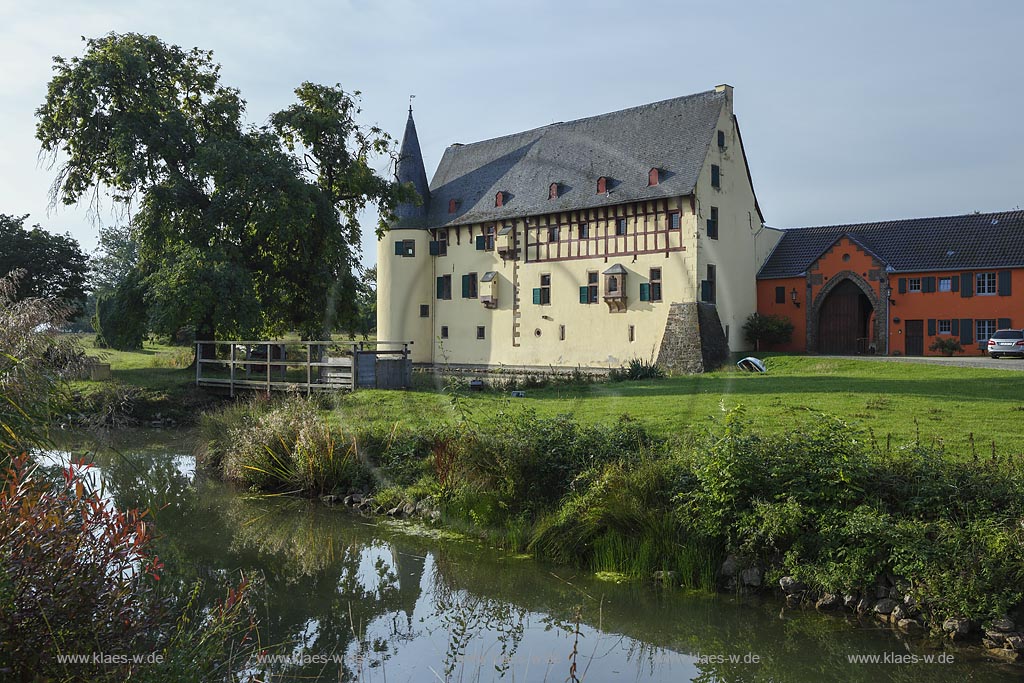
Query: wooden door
914	343
841	321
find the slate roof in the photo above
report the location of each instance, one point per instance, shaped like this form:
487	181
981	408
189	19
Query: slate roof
672	135
969	242
410	170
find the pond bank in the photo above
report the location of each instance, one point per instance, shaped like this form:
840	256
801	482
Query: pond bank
826	508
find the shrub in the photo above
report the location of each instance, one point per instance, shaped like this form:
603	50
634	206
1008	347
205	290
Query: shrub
947	346
636	369
767	329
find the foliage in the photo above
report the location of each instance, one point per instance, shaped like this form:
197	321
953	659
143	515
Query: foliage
947	346
290	447
115	259
240	230
636	369
34	364
54	266
121	319
78	575
767	329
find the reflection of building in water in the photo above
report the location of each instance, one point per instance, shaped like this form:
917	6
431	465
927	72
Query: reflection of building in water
409	568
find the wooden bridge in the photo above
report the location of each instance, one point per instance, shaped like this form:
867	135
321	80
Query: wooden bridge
305	366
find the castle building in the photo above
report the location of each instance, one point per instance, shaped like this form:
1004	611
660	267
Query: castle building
633	234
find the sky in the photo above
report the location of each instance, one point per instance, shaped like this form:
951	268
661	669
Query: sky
850	111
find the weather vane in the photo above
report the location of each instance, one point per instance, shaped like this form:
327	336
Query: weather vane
410	102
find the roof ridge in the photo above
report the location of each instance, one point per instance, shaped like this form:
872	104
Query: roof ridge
615	112
838	226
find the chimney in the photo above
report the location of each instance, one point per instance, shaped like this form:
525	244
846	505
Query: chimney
727	89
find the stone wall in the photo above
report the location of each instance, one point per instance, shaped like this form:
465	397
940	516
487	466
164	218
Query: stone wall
694	340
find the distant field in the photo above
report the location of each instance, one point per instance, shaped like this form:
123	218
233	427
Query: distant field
948	403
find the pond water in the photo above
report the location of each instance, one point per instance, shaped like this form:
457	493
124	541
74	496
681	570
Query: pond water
347	597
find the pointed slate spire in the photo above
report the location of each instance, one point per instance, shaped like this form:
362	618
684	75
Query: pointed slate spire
410	170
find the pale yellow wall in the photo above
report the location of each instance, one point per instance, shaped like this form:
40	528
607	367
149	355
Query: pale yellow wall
595	336
403	284
734	254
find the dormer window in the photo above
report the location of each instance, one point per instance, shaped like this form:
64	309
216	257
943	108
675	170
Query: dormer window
553	191
453	204
499	199
653	177
602	185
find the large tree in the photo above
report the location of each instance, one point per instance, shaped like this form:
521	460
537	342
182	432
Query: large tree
241	230
54	266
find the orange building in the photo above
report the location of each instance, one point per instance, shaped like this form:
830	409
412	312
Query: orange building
898	286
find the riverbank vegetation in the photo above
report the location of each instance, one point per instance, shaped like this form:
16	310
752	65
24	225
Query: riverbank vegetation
79	577
824	502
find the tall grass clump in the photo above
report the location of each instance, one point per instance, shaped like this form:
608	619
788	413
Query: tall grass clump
284	446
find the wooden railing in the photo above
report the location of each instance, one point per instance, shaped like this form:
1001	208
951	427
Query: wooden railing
300	365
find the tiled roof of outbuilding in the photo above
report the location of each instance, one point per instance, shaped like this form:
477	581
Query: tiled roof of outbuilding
672	135
972	241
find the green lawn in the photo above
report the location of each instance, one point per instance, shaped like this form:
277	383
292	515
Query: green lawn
948	403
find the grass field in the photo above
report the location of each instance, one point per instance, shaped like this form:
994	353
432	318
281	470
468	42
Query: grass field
897	399
903	400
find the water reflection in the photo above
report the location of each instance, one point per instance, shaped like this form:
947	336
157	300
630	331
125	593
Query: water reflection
344	597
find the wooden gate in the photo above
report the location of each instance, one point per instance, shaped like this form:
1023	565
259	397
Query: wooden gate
914	343
843	320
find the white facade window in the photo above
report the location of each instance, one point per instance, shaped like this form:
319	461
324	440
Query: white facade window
945	326
985	283
945	284
984	328
915	284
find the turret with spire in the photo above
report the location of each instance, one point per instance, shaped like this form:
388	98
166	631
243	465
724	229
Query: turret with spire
410	170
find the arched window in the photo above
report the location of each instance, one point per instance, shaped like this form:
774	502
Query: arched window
452	205
499	199
602	185
553	191
654	176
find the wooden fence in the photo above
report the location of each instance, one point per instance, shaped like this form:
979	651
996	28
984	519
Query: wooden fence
303	366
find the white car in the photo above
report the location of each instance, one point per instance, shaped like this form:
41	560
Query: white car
1006	343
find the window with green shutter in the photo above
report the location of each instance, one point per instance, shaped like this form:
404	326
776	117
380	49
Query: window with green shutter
928	285
536	295
481	242
931	327
716	176
584	294
967	329
1004	283
434	248
1004	323
399	248
902	285
645	291
967	285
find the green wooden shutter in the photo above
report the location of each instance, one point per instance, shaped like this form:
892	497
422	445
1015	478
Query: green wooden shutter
435	248
465	286
966	331
645	291
399	248
536	295
1004	323
440	288
928	285
1004	283
954	327
584	295
705	291
954	283
902	285
966	285
481	242
931	327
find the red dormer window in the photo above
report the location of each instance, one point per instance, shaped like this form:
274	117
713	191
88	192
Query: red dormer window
602	185
654	176
499	199
553	191
452	205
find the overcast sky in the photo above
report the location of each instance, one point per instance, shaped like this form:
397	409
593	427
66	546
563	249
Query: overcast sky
880	110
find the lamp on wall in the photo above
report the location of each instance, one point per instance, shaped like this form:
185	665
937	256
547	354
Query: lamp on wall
792	296
888	295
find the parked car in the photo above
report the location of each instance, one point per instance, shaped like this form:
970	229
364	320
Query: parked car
1006	343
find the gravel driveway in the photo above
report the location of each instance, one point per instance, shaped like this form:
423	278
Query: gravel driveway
962	362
